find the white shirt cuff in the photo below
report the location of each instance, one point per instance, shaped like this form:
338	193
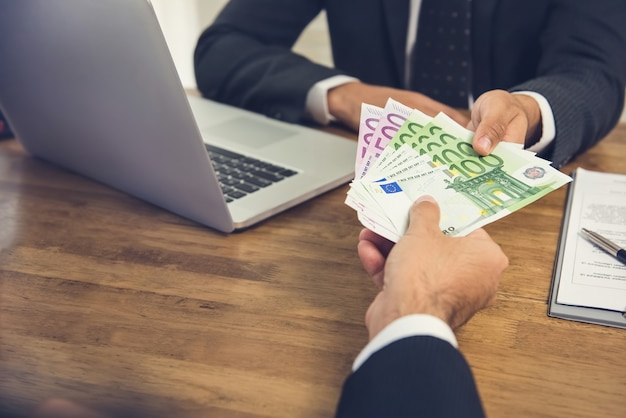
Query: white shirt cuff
316	99
407	326
548	128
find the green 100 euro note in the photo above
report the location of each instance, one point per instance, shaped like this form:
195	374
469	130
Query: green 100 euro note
436	158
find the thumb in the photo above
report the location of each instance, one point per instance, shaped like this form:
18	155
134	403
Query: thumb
489	133
424	216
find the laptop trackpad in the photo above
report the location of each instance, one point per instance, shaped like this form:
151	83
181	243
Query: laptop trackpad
249	132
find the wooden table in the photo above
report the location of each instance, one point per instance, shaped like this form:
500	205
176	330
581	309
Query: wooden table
116	304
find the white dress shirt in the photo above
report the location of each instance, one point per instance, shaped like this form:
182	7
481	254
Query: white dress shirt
407	326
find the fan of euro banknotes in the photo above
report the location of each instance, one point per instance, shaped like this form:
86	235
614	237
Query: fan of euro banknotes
403	154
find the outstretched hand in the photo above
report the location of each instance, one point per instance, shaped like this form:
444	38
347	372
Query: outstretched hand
499	116
428	272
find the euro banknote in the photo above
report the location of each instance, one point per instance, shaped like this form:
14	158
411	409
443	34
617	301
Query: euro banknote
434	156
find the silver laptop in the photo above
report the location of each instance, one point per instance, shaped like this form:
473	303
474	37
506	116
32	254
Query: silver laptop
91	86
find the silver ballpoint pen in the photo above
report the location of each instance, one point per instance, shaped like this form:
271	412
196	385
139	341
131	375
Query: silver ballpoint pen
608	246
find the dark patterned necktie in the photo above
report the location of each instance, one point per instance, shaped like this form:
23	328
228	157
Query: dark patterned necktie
441	56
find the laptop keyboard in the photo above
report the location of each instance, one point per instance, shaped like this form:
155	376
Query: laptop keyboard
240	175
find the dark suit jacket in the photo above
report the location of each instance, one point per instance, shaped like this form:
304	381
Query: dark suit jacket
413	377
573	52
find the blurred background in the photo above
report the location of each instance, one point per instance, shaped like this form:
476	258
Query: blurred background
182	22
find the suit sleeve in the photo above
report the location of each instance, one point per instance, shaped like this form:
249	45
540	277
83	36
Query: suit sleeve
244	58
582	73
418	376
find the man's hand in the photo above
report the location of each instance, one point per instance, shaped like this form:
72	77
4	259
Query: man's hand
428	272
344	102
501	116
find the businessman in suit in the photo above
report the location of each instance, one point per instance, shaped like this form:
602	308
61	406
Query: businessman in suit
429	285
547	73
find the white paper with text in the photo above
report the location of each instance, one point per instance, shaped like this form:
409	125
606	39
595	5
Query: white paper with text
591	277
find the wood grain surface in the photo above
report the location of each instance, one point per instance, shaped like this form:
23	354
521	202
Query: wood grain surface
113	303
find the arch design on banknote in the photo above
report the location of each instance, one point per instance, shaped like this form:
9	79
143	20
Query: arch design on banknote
493	191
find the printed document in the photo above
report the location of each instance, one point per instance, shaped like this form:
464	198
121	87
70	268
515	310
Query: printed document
591	277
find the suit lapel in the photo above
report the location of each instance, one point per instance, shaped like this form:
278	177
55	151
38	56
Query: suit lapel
396	16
